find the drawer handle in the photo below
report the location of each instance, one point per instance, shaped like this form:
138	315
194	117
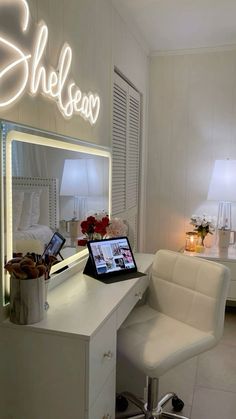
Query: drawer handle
139	295
108	355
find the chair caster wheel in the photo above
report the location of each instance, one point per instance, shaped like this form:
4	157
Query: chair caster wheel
177	404
121	403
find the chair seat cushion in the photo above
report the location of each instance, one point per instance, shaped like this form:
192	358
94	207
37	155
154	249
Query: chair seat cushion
155	342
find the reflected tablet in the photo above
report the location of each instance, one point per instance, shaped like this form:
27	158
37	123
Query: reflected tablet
55	245
112	260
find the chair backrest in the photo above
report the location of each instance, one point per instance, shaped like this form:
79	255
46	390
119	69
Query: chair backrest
189	289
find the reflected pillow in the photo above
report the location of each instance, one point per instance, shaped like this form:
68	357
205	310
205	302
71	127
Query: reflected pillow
17	204
35	207
25	219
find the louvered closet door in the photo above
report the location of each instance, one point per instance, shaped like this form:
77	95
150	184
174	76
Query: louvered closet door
125	154
119	140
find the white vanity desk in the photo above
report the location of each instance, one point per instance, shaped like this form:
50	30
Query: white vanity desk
65	366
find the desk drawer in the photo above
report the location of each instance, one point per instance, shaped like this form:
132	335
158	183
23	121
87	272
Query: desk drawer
131	300
104	406
102	357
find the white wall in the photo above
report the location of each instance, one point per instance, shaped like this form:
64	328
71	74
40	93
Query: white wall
192	122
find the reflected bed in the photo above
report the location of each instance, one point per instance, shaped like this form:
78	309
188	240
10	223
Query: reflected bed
35	210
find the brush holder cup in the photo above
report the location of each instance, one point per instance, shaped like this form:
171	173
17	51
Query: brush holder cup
27	299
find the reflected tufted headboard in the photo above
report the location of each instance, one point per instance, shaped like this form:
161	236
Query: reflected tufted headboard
49	199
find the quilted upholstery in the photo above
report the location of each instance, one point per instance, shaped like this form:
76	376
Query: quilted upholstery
183	315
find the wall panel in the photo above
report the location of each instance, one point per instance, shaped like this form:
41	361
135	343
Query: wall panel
192	122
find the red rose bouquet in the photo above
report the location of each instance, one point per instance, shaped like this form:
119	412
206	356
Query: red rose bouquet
95	227
99	226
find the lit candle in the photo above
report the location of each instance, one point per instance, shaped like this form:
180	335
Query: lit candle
191	241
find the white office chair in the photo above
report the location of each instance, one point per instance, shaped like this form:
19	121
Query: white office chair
183	316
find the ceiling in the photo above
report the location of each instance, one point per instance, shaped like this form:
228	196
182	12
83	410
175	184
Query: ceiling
167	25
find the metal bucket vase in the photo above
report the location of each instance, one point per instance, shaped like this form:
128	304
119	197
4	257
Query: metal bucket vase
27	298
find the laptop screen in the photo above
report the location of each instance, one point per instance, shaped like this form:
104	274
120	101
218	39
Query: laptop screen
112	256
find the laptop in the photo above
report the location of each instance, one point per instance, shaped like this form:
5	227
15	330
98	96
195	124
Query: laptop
111	260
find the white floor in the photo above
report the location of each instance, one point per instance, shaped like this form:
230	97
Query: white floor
206	383
214	394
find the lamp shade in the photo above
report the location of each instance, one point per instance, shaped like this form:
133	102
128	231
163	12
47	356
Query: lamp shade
74	178
84	177
97	177
223	181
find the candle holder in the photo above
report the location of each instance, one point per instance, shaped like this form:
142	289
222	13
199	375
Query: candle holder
191	240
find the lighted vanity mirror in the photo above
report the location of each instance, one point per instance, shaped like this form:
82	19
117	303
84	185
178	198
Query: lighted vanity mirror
50	183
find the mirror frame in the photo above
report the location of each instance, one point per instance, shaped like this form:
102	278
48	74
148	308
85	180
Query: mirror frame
16	132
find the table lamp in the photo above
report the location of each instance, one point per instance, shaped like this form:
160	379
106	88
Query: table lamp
75	183
82	178
222	188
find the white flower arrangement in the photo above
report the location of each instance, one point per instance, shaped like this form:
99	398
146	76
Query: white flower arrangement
203	224
117	228
205	221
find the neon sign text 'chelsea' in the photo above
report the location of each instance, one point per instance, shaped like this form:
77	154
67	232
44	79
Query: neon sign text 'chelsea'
53	84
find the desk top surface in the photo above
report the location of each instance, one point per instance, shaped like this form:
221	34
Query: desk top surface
217	254
81	304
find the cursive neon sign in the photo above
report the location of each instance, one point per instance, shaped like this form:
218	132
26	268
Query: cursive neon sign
53	84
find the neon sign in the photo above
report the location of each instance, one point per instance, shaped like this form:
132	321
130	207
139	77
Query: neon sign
53	84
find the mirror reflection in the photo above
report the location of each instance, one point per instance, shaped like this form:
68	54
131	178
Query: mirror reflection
50	184
54	190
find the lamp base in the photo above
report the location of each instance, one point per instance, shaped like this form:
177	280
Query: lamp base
223	239
74	230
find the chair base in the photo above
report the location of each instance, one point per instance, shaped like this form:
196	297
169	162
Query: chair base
153	409
172	415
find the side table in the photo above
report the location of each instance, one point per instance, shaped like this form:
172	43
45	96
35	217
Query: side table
228	258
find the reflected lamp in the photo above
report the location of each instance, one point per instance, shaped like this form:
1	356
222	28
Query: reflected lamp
75	183
83	178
